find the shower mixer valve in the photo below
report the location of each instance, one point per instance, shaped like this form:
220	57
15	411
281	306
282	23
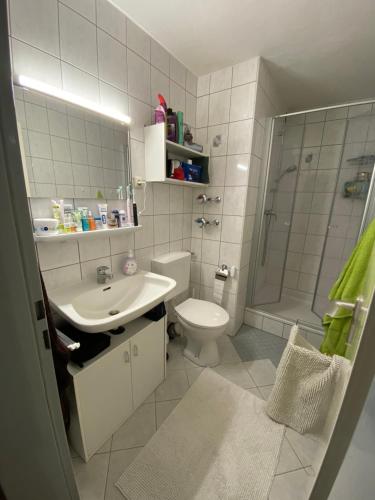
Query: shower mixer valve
203	198
204	222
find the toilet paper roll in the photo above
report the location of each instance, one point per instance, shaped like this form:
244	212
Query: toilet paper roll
218	290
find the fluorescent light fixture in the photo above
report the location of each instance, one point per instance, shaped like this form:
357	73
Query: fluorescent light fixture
30	83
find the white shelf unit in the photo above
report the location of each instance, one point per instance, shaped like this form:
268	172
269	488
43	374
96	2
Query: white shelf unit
84	234
158	149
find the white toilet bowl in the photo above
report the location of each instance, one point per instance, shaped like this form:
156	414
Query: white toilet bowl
203	322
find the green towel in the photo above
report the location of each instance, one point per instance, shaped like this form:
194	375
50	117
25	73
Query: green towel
348	287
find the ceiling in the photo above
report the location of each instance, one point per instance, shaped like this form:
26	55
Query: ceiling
319	51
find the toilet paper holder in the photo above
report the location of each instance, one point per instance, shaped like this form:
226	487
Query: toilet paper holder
223	272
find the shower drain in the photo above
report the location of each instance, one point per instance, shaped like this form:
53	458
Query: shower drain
113	312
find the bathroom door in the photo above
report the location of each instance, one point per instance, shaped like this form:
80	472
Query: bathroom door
361	346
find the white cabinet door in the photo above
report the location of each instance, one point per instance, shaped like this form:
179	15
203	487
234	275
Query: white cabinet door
148	360
104	397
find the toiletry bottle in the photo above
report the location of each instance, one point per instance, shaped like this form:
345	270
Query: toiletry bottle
129	205
76	216
180	127
116	217
122	218
171	125
84	219
91	221
68	220
98	222
56	213
160	112
103	207
130	264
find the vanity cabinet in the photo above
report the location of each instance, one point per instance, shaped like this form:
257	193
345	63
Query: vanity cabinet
107	390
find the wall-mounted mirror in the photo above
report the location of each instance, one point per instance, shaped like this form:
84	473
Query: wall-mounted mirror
68	151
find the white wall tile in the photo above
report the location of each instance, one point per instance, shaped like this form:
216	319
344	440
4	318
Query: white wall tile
177	97
138	40
77	40
334	132
232	227
202	111
36	23
84	7
160	57
90	251
235	200
111	19
217	138
80	83
161	229
161	199
177	72
112	61
203	86
221	80
138	77
210	252
55	255
191	83
239	140
113	98
237	171
159	85
36	64
219	106
145	237
313	134
245	72
242	102
62	276
217	168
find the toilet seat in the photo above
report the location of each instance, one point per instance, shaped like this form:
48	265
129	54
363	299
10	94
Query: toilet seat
202	314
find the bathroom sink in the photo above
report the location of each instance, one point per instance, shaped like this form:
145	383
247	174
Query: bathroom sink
94	308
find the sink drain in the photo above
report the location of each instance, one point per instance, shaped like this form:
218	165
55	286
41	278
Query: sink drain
113	312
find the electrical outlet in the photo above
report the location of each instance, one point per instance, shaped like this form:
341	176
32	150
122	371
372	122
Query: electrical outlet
138	182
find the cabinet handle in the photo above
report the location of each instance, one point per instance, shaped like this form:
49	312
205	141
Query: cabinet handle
135	350
126	357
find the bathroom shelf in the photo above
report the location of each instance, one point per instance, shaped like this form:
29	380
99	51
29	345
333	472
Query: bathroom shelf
84	234
179	149
158	150
184	183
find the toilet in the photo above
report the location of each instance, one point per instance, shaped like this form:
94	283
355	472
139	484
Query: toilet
203	322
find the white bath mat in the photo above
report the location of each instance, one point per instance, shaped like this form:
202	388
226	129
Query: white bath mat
218	443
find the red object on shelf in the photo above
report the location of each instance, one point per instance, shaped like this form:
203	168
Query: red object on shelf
179	174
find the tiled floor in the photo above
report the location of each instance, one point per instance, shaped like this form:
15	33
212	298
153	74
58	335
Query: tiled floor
252	344
96	479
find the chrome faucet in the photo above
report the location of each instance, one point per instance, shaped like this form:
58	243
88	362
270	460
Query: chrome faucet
102	276
202	221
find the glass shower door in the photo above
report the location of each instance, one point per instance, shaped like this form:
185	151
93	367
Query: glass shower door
277	210
352	207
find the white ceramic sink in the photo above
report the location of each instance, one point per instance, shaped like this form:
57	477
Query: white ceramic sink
96	308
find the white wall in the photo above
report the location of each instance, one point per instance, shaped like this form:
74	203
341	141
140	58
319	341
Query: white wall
90	48
233	104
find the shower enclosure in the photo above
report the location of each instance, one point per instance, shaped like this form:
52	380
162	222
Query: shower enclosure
317	199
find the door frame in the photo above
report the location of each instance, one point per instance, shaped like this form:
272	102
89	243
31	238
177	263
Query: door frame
362	374
35	460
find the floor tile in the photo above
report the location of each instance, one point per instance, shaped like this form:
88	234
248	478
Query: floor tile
290	486
305	446
266	391
137	430
262	371
91	477
227	352
288	460
106	446
173	387
252	344
176	358
236	373
163	409
193	374
256	392
150	399
118	462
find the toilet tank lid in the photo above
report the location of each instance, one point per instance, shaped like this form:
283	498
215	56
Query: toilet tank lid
170	257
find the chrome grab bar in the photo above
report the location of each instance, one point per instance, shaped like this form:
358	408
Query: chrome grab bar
356	307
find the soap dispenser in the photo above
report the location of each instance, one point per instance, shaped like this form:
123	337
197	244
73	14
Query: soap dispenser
130	264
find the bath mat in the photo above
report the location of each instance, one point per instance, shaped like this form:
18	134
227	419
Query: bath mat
218	443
